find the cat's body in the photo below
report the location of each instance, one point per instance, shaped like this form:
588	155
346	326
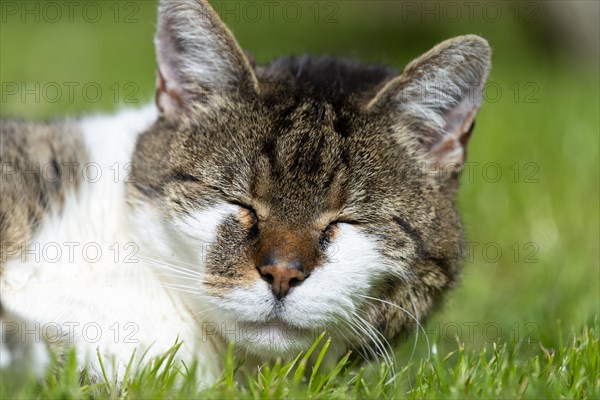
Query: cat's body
257	205
114	300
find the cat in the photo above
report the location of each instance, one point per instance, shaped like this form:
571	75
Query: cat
258	205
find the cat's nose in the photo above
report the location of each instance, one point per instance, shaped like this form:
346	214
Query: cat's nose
282	276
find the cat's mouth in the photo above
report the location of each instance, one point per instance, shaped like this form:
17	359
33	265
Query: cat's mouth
275	326
274	336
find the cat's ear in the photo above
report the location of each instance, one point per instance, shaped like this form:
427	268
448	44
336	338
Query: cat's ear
197	55
434	101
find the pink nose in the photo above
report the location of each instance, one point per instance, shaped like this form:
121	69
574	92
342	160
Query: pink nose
282	277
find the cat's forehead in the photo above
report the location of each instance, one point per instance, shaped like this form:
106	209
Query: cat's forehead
303	137
289	155
295	155
302	157
292	135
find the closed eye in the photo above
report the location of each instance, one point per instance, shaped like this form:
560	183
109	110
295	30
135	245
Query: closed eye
248	208
343	221
328	232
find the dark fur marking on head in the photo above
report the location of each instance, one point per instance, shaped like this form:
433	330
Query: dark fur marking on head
411	232
442	263
269	149
182	176
334	80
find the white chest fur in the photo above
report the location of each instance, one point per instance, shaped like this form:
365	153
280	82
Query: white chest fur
83	279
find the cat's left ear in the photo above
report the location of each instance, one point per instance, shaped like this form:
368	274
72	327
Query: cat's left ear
197	56
434	101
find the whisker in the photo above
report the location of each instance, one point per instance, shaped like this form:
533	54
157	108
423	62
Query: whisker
180	264
172	267
204	311
418	323
186	290
338	329
361	331
385	353
390	355
177	285
178	276
412	300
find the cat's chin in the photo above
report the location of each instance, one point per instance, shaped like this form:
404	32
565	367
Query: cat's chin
274	339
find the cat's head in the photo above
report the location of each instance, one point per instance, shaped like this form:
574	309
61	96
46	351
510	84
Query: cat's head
309	195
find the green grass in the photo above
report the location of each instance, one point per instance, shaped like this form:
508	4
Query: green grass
523	323
497	370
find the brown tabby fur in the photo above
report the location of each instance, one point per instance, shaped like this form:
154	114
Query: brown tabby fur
303	144
318	140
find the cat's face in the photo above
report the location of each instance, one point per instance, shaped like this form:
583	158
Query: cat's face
302	212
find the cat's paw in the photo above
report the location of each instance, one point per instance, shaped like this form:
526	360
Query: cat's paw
23	353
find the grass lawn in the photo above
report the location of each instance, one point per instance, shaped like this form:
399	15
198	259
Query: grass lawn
498	370
524	322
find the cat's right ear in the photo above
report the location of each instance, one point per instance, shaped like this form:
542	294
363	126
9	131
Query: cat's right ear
435	99
197	56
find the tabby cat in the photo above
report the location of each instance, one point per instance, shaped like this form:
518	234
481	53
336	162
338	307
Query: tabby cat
258	205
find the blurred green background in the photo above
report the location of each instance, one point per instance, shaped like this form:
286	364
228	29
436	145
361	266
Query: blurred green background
530	193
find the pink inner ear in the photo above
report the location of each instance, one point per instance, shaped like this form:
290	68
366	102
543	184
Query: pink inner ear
449	153
169	100
160	89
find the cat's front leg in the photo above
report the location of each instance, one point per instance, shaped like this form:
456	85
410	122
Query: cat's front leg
23	353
